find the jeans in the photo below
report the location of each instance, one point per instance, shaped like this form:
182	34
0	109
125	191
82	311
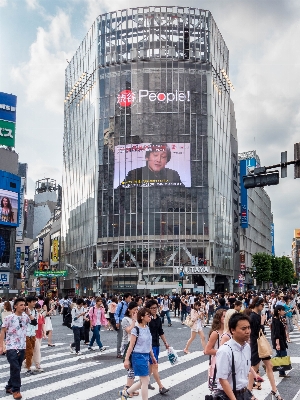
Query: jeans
15	359
96	336
183	315
119	339
210	314
176	308
281	353
167	314
78	332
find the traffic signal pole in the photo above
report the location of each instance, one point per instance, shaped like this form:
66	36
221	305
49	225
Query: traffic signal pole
260	176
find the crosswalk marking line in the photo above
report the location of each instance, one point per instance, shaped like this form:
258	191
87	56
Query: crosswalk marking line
51	374
296	396
86	353
120	382
55	363
177	378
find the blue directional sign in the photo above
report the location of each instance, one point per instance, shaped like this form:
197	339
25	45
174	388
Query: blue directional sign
181	274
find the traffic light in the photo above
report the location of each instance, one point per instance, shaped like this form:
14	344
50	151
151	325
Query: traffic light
267	179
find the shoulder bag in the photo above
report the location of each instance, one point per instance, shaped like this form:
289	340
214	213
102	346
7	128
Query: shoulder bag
264	347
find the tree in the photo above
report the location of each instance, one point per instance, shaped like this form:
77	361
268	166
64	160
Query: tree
261	266
287	271
276	275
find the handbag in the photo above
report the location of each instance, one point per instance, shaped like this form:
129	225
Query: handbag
281	363
264	347
172	356
188	321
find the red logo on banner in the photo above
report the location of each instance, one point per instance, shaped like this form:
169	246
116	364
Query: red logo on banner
126	98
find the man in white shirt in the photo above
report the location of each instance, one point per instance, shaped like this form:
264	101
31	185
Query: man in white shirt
239	327
15	327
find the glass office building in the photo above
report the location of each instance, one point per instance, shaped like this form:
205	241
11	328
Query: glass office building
148	184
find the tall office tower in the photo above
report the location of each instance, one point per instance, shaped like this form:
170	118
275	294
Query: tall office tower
149	169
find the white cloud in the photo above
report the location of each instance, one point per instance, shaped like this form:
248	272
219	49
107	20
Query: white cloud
3	3
43	75
33	4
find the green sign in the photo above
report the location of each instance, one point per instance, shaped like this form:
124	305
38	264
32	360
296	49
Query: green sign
7	133
50	274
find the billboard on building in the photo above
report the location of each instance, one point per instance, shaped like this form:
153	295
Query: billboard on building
297	233
152	164
55	250
4	247
20	228
9	207
8	103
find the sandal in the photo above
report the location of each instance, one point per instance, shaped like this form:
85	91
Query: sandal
186	351
276	395
257	385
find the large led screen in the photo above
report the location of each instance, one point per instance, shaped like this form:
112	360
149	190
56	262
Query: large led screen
152	164
8	207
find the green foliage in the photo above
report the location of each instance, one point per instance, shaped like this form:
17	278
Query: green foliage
287	271
268	268
262	263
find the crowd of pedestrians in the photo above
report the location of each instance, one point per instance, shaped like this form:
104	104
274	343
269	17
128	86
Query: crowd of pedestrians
237	323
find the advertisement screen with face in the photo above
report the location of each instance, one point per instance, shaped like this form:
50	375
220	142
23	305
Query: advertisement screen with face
8	207
152	164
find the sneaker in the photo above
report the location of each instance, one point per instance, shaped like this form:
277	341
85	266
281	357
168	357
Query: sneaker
90	348
163	390
170	325
28	373
78	353
17	395
103	348
39	370
72	349
151	387
124	395
284	376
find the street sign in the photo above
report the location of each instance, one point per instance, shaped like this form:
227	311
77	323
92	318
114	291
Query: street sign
181	274
49	274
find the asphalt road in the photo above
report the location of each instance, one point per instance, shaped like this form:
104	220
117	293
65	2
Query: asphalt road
95	375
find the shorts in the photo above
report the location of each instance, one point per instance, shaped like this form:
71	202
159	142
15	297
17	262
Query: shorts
156	354
198	327
140	364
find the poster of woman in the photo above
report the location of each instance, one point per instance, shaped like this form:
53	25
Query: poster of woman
8	206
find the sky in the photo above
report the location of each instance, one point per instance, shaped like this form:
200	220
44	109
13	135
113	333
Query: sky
39	36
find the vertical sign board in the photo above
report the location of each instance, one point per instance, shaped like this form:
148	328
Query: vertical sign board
244	165
244	195
41	249
18	258
55	249
26	259
272	238
8	104
20	228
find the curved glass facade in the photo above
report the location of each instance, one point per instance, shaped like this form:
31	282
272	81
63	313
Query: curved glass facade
147	149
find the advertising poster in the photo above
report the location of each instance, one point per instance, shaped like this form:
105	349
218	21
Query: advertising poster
55	250
26	259
41	249
8	207
4	278
20	228
152	164
4	247
18	258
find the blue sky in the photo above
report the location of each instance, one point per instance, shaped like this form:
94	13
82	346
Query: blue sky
38	36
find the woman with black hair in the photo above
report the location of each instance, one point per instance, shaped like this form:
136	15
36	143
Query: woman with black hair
256	324
6	212
278	336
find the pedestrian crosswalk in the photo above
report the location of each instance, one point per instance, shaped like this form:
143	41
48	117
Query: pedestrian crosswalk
95	375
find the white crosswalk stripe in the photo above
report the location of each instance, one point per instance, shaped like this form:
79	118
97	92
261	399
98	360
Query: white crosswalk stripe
105	379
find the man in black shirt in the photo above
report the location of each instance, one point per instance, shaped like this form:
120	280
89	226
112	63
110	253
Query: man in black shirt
176	302
156	331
